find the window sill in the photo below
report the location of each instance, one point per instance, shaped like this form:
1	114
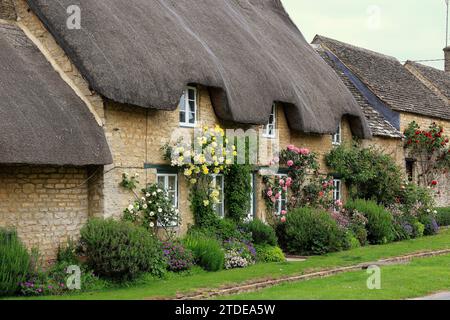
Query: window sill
190	126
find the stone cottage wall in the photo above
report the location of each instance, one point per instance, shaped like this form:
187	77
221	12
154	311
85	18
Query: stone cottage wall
47	205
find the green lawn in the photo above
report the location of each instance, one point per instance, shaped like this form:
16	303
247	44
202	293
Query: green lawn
169	287
419	278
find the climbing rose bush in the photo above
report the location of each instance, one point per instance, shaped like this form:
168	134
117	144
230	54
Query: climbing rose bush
431	148
154	209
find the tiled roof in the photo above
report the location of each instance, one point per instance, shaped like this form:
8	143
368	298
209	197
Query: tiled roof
377	123
438	78
388	79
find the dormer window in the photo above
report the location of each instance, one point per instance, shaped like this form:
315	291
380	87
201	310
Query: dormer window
269	129
188	107
337	138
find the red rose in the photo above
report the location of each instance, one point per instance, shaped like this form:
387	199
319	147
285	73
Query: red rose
434	183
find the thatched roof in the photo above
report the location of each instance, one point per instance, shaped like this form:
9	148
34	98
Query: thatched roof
247	52
388	79
42	120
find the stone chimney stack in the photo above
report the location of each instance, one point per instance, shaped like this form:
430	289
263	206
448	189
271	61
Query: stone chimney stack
447	59
7	10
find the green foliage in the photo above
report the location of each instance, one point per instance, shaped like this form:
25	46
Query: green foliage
443	216
419	229
14	262
204	215
380	225
267	253
311	231
262	234
238	190
414	198
222	229
120	250
351	241
207	251
368	173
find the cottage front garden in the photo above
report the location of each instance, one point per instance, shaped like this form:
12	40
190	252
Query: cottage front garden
139	255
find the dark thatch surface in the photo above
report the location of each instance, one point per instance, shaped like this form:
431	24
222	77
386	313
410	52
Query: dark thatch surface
248	52
438	78
42	120
377	123
388	79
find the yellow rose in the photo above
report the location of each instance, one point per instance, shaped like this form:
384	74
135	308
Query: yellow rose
206	203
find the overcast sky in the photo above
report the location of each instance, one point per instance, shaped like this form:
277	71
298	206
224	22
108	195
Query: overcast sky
406	29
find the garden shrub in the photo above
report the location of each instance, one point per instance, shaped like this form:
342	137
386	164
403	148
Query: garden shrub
419	229
380	224
14	262
262	234
207	251
238	191
120	250
430	225
443	216
238	254
268	253
312	231
178	257
414	198
368	173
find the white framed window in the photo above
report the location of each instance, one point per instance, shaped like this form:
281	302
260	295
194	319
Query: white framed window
337	193
251	212
281	204
188	107
270	128
219	182
169	183
337	137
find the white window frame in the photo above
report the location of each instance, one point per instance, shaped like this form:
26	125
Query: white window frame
279	203
187	108
251	213
337	191
337	137
273	125
166	177
221	212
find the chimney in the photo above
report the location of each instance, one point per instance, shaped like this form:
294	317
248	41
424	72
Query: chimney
447	59
7	10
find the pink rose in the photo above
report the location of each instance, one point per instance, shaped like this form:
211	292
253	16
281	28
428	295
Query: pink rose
281	182
290	147
285	188
269	193
283	212
273	199
277	196
283	219
290	163
339	203
297	150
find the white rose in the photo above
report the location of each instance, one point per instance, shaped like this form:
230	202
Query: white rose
435	212
152	224
145	206
154	194
130	207
152	214
159	190
147	195
428	210
159	210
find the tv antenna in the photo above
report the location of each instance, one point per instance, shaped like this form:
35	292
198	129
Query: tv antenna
446	24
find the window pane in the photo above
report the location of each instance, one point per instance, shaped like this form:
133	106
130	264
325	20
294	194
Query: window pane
192	117
183	103
161	182
172	183
191	94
